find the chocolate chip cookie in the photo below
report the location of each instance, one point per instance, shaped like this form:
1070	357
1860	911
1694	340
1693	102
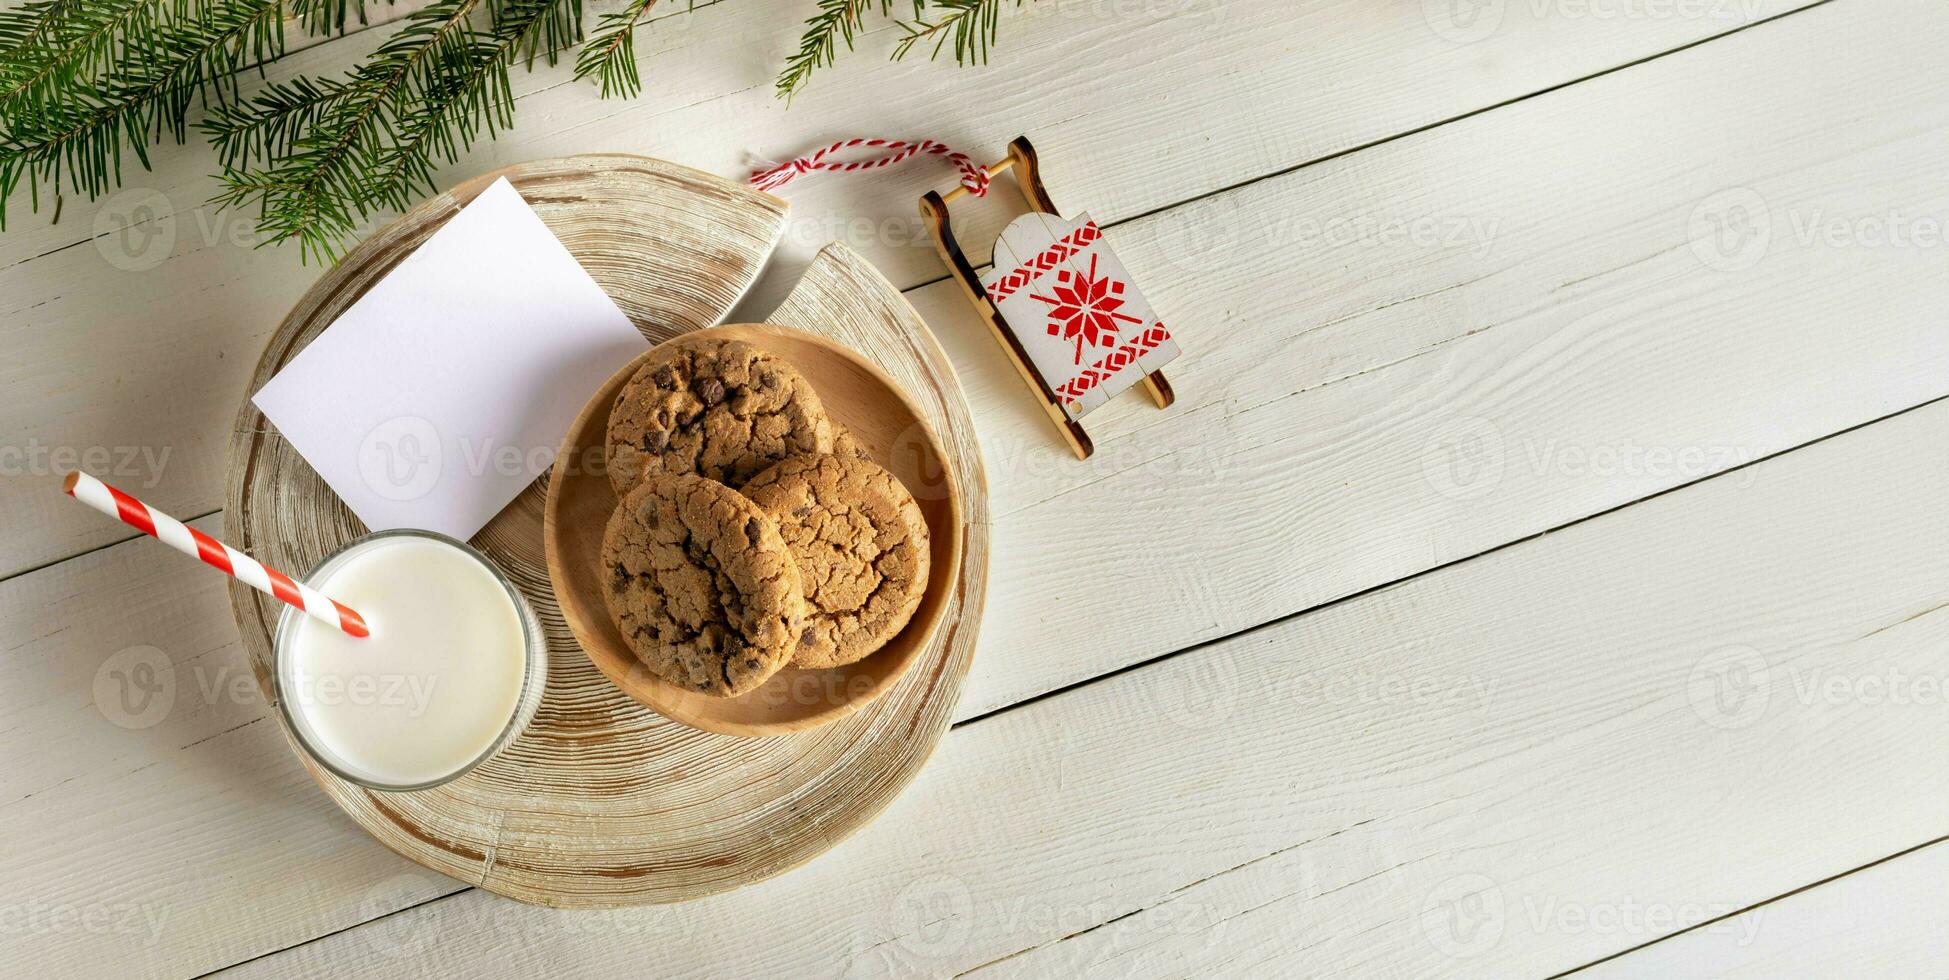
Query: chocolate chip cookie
844	443
721	409
702	585
861	546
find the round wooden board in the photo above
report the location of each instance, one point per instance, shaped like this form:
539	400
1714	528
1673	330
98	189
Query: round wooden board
602	802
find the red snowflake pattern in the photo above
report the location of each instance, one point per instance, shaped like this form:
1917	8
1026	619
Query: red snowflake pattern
1084	308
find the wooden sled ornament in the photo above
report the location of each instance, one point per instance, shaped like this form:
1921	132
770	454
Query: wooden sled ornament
1060	304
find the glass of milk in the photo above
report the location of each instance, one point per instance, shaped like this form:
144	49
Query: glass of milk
452	672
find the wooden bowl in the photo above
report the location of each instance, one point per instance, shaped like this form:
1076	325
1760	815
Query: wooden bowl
856	394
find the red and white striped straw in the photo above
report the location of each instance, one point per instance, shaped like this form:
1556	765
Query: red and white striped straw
196	544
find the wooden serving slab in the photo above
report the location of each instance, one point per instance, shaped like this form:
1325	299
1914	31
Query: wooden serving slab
602	802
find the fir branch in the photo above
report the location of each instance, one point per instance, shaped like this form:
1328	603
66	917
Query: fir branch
264	127
337	151
70	42
610	52
81	81
837	20
316	191
327	16
31	23
972	25
477	96
75	137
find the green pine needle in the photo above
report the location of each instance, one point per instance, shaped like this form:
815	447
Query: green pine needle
328	16
610	53
836	21
972	25
73	134
66	43
83	81
31	24
332	152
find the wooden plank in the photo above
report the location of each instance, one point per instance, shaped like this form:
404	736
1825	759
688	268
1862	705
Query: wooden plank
151	363
1511	766
1331	480
136	747
1883	921
1365	410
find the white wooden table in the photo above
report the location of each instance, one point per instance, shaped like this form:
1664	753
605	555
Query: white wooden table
1544	565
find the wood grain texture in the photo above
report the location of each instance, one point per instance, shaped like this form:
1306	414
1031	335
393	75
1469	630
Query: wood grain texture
1556	314
601	802
1883	921
1620	337
1508	767
133	799
886	423
143	311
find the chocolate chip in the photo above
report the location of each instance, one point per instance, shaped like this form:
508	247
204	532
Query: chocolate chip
710	390
802	511
808	637
753	530
664	377
655	440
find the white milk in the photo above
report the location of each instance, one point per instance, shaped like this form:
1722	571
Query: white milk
434	686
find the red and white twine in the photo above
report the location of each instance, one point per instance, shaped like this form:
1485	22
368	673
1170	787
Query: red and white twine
212	552
973	176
